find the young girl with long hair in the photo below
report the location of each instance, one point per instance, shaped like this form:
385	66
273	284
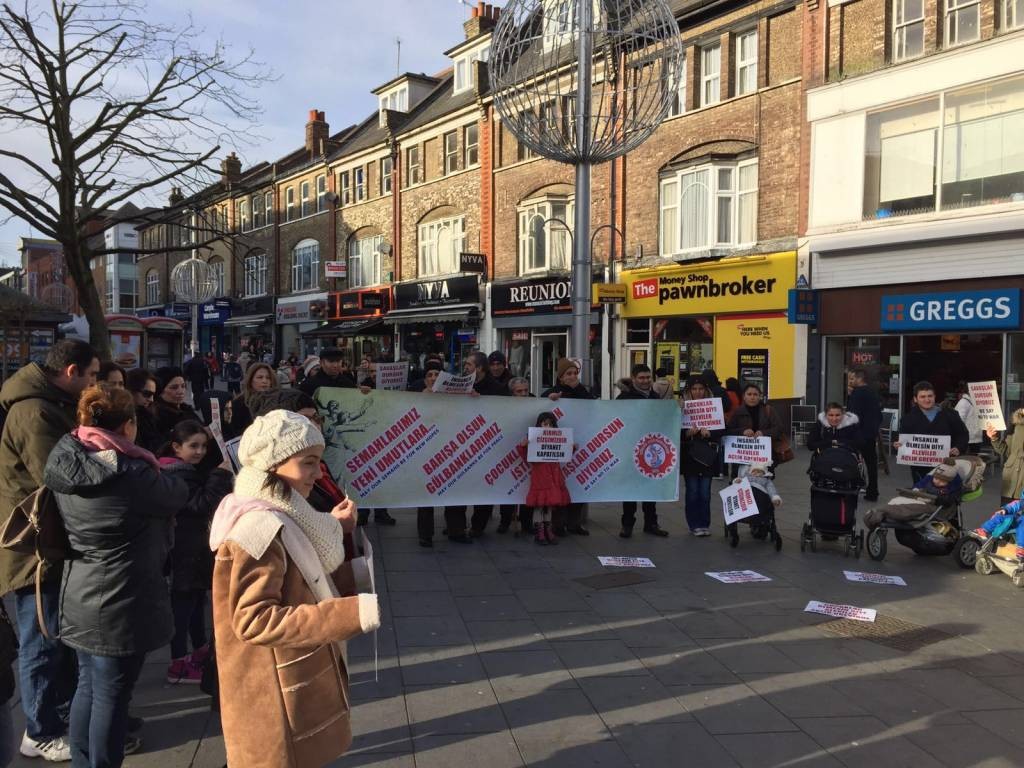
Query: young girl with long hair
548	492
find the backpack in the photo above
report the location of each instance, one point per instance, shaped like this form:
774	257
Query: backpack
35	527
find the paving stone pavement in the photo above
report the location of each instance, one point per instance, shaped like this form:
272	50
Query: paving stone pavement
491	654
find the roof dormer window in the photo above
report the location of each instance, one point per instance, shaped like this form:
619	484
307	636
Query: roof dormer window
397	100
464	67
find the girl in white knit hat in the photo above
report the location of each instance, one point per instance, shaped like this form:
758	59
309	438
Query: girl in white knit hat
284	603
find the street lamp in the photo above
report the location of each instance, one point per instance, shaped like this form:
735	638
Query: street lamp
194	283
583	82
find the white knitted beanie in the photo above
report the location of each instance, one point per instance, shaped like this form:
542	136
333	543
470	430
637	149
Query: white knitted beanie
276	437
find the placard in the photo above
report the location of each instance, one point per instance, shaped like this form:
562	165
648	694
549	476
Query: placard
987	407
738	501
736	577
919	450
454	385
549	445
392	376
841	611
747	450
215	428
706	413
626	562
335	270
874	578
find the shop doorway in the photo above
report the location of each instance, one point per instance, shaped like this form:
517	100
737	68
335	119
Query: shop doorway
545	351
949	359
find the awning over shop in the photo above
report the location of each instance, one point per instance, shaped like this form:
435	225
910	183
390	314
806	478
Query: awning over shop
246	320
347	327
456	313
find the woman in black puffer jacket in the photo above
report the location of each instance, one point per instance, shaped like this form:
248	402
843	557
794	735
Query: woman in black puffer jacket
118	509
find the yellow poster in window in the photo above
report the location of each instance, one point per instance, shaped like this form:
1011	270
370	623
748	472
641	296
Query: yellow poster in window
744	344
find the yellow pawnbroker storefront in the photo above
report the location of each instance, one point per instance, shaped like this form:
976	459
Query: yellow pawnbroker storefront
729	315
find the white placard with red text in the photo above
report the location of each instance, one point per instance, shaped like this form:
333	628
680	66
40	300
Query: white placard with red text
841	611
705	413
747	450
874	578
987	407
454	385
920	450
738	501
392	376
215	429
626	562
547	444
736	577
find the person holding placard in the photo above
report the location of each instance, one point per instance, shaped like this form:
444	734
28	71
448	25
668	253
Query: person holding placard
699	465
1010	448
548	491
927	418
755	418
567	385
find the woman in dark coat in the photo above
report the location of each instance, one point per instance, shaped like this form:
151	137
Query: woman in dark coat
567	384
258	379
170	401
700	464
118	509
755	418
142	384
835	428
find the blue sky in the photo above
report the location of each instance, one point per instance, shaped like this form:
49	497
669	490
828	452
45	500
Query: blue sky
327	55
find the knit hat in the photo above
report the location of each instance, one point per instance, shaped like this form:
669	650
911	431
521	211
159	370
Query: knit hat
276	437
762	467
497	357
310	363
945	471
564	364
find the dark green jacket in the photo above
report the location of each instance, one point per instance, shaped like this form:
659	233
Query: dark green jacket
38	415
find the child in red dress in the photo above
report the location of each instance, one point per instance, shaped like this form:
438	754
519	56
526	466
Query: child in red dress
547	488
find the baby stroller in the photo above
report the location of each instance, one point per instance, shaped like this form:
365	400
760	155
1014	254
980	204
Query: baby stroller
930	529
998	551
762	525
837	475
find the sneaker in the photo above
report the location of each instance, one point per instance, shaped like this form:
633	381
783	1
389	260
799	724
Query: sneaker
52	750
703	532
980	533
132	744
135	724
655	530
198	657
184	671
383	518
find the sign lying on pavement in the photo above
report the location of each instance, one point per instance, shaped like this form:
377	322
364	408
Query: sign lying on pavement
626	562
736	577
841	611
874	578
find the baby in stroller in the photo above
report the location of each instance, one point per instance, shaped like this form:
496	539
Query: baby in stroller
759	476
939	488
766	495
1005	519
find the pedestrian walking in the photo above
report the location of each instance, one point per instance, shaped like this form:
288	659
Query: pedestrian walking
863	402
284	603
198	374
1010	448
640	388
233	374
926	418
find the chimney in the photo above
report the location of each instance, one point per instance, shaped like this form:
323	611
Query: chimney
317	132
175	197
230	170
483	19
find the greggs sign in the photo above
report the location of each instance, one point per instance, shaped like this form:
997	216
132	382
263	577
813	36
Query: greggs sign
731	285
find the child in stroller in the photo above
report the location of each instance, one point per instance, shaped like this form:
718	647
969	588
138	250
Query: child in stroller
766	495
1001	540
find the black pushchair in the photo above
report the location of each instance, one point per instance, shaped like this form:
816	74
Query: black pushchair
762	525
837	476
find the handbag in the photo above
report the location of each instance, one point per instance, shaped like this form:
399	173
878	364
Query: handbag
702	452
783	450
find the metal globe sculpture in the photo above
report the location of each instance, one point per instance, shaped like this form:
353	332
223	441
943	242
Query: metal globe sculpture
584	81
193	282
56	295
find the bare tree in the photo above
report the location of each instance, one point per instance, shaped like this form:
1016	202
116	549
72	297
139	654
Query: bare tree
101	105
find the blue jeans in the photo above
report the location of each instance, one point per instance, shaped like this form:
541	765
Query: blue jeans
698	501
45	667
995	521
99	711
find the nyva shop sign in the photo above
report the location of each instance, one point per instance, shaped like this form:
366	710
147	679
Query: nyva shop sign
960	310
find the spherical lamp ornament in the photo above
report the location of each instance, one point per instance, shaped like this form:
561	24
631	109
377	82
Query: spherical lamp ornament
584	81
193	282
57	295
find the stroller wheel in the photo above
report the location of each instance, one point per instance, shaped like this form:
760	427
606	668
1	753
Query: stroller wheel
778	540
984	565
1018	577
813	542
734	538
877	544
858	544
966	552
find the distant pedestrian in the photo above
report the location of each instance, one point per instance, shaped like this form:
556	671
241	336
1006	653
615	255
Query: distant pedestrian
863	402
233	374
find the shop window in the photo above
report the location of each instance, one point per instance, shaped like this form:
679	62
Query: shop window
746	62
544	241
878	356
638	331
907	29
364	261
152	287
256	274
306	266
217	273
1012	14
1014	396
440	243
962	21
708	206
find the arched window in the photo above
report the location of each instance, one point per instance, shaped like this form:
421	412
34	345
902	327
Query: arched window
152	287
441	241
544	242
364	260
306	266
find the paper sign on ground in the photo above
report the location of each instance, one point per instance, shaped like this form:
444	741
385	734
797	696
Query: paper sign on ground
705	413
841	611
919	450
874	578
738	501
215	429
392	376
736	577
454	385
626	562
987	407
747	450
549	445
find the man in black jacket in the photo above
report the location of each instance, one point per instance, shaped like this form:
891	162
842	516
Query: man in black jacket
641	388
865	405
927	418
476	364
331	373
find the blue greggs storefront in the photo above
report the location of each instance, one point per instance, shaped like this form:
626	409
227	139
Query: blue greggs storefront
944	333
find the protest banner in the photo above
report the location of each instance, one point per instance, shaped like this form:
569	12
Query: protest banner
626	562
408	449
747	450
987	408
841	611
738	501
450	384
549	445
736	577
919	450
392	376
874	578
215	428
706	413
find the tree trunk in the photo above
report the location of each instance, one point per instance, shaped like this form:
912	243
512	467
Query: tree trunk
77	257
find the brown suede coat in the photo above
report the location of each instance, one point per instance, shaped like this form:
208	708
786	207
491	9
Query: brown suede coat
283	683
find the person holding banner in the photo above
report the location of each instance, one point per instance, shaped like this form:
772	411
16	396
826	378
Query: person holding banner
518	387
425	515
1010	448
699	465
927	418
640	388
548	491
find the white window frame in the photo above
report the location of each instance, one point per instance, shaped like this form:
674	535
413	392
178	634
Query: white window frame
746	69
257	211
360	252
345	187
217	273
255	270
306	276
268	207
289	204
1012	14
430	262
396	100
386	169
952	11
464	68
359	183
900	25
671	243
321	193
152	287
245	222
471	150
413	171
555	235
305	200
678	92
451	153
710	84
